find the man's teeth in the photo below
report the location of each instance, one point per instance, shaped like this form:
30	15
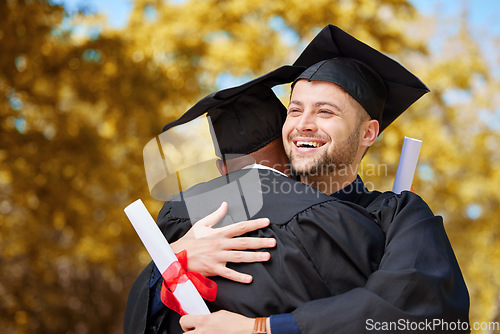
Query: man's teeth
308	144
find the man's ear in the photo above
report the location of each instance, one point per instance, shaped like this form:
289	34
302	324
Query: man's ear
221	166
369	133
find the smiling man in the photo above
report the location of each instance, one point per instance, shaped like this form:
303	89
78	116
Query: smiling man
318	108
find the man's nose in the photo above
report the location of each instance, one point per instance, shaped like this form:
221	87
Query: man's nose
307	123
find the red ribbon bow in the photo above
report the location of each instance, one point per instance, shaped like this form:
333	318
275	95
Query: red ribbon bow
175	274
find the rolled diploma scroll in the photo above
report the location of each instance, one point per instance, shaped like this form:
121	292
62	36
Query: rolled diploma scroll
407	165
163	255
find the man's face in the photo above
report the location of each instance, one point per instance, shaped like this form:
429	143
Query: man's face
321	131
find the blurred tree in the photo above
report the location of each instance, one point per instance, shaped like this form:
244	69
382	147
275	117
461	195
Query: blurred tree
64	173
77	109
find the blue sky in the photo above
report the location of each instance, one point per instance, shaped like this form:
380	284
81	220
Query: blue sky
117	11
481	13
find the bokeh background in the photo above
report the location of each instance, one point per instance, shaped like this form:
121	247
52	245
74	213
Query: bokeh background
84	85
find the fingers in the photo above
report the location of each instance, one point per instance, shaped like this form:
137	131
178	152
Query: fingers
188	322
243	227
217	322
239	257
215	216
243	243
233	275
245	257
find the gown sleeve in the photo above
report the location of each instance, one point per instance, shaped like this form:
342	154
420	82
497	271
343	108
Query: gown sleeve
418	280
135	317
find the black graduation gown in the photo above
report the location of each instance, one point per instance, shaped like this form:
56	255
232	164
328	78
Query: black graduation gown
325	247
418	279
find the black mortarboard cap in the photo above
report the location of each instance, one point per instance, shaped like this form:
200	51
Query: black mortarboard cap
247	117
365	73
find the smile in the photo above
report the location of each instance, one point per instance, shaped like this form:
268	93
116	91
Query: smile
308	144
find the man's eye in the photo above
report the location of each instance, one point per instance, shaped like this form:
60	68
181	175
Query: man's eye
325	112
294	111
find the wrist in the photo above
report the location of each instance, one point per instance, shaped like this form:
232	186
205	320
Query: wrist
177	246
260	326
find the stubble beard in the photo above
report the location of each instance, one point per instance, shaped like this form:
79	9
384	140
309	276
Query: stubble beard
329	162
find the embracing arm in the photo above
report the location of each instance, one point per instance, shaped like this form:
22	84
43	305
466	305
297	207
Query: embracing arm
418	280
220	322
209	249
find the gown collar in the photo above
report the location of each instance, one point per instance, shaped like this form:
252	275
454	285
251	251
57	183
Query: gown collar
259	166
352	192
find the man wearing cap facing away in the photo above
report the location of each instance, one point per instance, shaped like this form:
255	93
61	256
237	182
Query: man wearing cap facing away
338	107
324	247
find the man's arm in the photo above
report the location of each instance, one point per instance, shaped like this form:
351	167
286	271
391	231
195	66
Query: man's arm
218	322
209	249
418	280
